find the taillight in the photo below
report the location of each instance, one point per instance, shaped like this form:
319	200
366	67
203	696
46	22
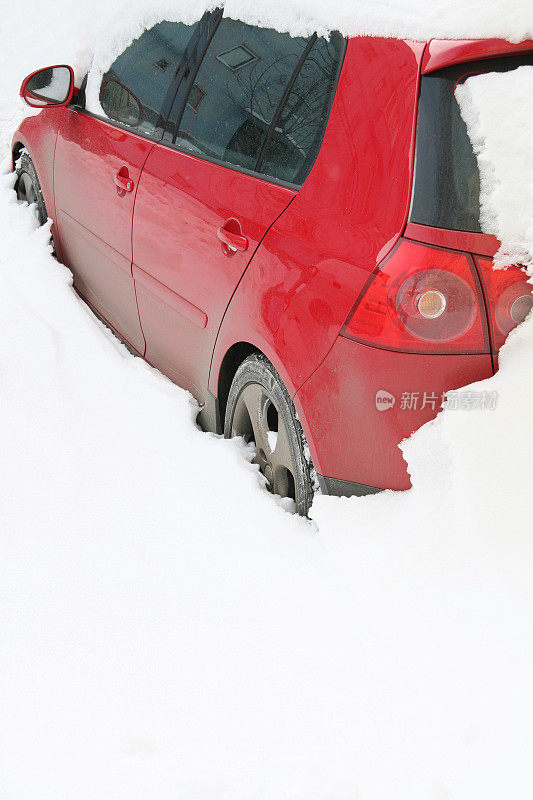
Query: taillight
509	298
422	299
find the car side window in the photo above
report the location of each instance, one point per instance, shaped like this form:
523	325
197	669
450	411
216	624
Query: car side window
133	90
296	137
237	92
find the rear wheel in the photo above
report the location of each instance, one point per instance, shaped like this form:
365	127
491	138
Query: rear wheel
260	410
28	188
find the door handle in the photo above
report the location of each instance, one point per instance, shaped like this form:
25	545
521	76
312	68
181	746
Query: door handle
235	241
123	183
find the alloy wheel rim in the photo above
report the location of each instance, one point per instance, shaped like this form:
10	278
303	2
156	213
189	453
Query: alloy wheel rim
257	419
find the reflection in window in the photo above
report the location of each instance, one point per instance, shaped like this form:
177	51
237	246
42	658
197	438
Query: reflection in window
237	57
243	78
265	100
134	88
196	95
120	104
446	186
299	130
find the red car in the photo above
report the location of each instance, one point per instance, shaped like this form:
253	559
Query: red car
286	227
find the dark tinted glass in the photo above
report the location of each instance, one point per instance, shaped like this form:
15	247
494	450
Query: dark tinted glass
299	130
133	90
446	189
237	91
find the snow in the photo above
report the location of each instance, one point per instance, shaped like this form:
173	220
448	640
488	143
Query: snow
510	19
450	19
167	630
498	111
272	437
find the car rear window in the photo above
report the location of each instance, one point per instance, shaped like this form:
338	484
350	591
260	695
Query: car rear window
446	183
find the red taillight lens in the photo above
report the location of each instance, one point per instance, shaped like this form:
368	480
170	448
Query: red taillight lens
422	299
509	298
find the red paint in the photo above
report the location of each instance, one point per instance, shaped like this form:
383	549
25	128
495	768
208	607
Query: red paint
484	244
233	241
205	256
303	281
179	304
94	214
443	53
352	439
182	204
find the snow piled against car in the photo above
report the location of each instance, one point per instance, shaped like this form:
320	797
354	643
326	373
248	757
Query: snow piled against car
167	630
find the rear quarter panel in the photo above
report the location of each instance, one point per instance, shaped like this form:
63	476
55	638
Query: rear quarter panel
304	278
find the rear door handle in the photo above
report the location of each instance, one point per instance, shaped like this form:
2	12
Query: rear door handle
126	184
235	241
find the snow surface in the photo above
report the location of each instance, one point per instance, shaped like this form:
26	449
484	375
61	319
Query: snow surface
498	110
510	19
167	631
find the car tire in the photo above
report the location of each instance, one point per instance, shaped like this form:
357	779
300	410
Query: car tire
260	409
28	188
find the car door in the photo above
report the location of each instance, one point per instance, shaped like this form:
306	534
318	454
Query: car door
101	150
223	173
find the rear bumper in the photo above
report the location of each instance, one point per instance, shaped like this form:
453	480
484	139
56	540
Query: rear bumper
353	426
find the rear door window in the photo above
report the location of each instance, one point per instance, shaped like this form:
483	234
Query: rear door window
297	134
133	90
237	91
260	100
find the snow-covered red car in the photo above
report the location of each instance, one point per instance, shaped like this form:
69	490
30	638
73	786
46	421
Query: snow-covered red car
287	227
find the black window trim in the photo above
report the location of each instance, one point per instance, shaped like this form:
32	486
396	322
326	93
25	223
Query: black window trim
261	175
202	27
82	110
189	70
234	167
281	104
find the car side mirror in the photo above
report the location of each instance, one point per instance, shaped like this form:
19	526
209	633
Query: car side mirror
53	86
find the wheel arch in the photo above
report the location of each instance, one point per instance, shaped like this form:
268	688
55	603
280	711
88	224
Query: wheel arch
222	378
38	135
229	365
16	150
226	362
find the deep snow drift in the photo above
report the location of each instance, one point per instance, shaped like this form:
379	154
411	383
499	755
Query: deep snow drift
168	632
497	109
